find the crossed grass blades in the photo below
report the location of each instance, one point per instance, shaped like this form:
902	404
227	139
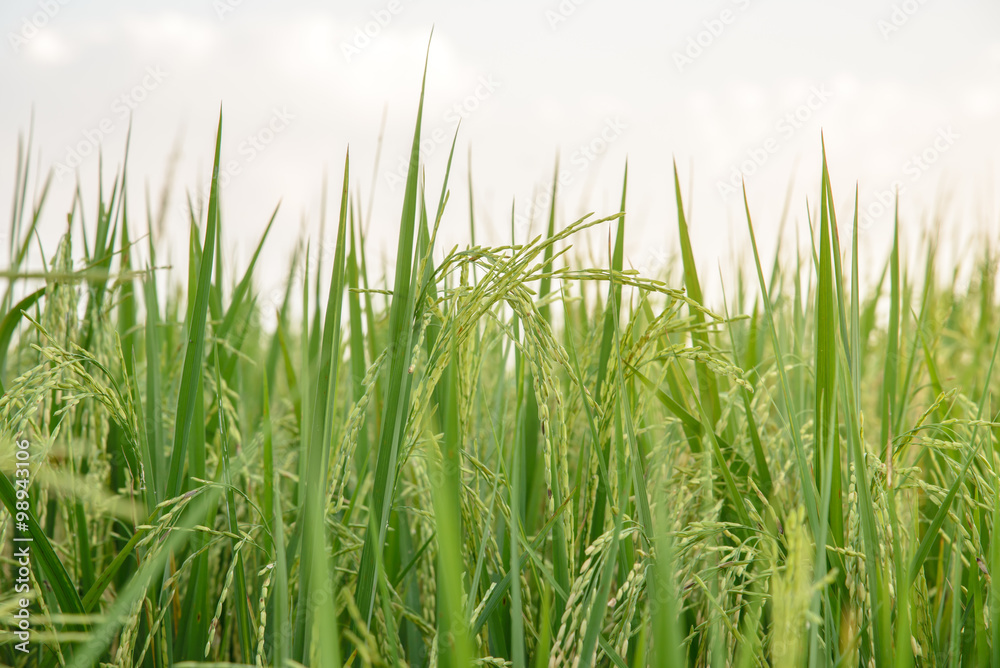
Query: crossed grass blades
499	458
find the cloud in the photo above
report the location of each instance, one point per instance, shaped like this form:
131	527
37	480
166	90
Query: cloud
50	47
155	33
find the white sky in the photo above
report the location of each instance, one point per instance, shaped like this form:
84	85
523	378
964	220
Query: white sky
887	81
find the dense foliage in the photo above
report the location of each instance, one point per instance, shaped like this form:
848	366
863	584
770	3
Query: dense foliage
506	459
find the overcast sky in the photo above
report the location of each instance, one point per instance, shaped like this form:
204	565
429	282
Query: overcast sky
907	94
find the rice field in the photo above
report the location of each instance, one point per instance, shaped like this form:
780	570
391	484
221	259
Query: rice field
492	456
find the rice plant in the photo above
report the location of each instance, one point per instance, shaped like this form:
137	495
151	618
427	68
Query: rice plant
508	457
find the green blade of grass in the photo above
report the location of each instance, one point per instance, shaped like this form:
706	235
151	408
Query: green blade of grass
357	349
599	605
195	350
280	620
156	480
453	639
313	618
607	342
794	431
880	630
9	325
826	361
240	599
763	473
500	590
994	585
516	476
397	393
638	482
665	601
101	583
707	386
